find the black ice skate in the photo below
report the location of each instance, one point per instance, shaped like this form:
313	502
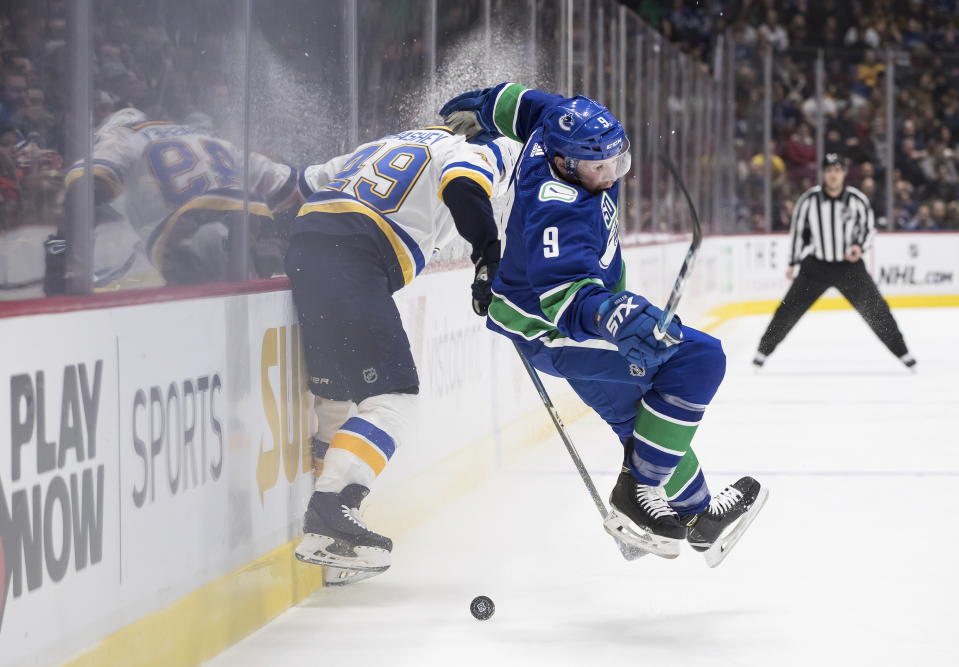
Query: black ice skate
640	516
717	530
335	536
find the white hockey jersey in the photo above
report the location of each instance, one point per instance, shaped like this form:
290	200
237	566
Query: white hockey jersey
164	170
398	183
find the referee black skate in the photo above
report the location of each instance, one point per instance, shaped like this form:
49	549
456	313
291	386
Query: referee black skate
832	224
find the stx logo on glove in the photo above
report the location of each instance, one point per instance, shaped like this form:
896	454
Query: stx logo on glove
619	313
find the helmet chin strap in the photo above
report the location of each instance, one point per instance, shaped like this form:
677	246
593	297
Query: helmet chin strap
571	164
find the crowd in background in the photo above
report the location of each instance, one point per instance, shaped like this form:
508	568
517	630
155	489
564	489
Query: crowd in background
172	60
183	61
144	56
855	35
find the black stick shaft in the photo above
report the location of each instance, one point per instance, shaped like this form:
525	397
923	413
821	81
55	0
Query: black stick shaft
570	448
629	552
669	312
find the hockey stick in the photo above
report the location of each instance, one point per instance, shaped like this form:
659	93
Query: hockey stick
629	551
100	278
661	331
107	276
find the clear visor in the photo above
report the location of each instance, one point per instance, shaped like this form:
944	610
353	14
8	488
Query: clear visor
610	169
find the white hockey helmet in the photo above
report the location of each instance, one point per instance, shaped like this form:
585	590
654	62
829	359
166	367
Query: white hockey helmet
121	117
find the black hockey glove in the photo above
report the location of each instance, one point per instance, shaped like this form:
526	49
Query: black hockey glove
55	265
483	285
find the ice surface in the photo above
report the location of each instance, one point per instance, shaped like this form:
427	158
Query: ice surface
852	562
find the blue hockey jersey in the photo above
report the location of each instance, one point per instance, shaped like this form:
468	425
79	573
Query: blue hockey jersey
562	256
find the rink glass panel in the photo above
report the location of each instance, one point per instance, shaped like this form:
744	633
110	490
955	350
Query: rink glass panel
302	82
46	92
302	110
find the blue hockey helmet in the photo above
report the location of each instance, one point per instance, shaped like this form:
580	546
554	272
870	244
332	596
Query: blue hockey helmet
580	129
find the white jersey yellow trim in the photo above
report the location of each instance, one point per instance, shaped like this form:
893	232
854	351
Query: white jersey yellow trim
403	254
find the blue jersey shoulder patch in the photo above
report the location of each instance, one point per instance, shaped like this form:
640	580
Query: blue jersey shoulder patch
556	191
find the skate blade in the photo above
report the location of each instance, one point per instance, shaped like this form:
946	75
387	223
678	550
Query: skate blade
717	553
630	551
625	531
336	576
313	549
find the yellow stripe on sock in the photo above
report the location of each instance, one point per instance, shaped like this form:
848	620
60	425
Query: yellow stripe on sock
369	454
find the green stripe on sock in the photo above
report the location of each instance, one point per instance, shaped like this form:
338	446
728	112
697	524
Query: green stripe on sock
505	110
675	437
685	471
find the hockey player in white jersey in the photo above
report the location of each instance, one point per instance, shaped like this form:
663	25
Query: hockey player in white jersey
181	190
371	222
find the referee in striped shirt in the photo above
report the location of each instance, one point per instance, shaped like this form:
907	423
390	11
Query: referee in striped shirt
831	226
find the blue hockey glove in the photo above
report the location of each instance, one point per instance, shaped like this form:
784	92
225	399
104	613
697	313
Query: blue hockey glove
627	321
462	115
471	100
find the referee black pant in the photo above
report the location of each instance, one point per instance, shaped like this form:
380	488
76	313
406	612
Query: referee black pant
853	282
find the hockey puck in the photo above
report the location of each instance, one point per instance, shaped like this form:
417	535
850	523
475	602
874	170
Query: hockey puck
482	607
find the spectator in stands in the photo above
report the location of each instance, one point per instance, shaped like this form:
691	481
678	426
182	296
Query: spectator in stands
937	214
913	37
905	204
923	220
952	215
785	210
939	160
830	105
946	184
862	33
909	131
785	113
887	29
946	40
950	113
833	141
829	35
36	121
9	175
20	64
949	146
867	74
801	148
908	158
14	96
682	20
778	166
797	30
774	32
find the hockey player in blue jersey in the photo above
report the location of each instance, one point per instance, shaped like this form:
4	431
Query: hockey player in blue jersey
560	295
